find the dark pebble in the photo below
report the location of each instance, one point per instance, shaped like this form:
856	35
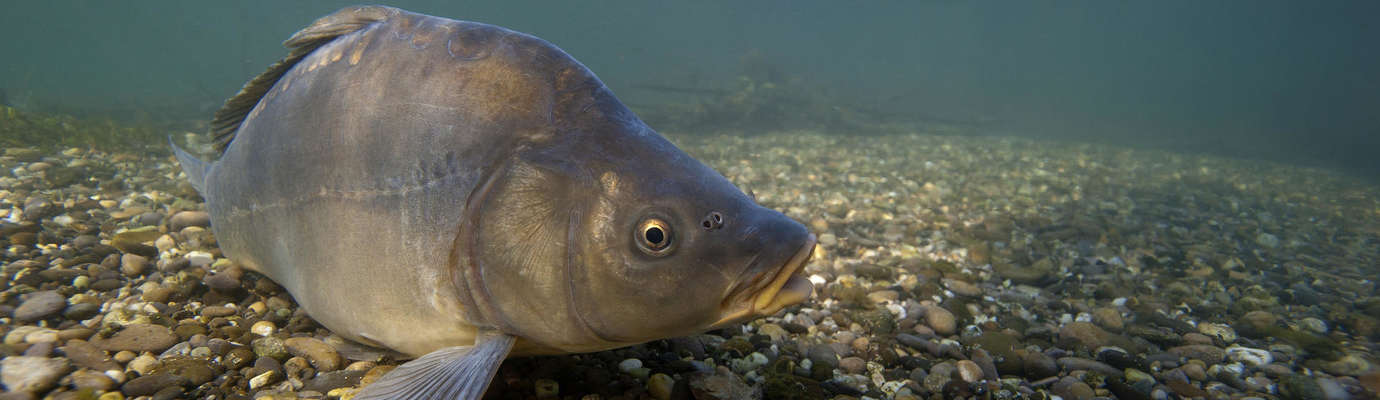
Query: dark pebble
106	285
81	311
148	385
1083	364
836	387
168	393
148	219
84	241
794	328
1039	366
196	370
326	381
1121	359
824	355
224	282
239	357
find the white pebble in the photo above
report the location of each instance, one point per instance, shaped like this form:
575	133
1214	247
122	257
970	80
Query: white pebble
200	258
1249	356
263	328
629	364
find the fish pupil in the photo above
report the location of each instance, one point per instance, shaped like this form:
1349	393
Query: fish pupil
655	236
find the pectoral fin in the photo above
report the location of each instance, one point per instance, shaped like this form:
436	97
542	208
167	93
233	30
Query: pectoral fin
452	373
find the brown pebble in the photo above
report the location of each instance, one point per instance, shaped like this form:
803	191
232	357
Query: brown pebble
185	219
969	371
133	264
217	311
138	338
940	320
322	355
853	365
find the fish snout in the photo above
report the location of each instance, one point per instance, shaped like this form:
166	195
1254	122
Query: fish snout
775	278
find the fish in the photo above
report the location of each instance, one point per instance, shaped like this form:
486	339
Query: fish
462	193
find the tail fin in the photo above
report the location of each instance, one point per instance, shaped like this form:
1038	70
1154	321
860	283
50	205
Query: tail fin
194	167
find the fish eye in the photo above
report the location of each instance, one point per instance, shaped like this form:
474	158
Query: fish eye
713	221
654	237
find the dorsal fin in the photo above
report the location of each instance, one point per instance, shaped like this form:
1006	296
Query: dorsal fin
228	119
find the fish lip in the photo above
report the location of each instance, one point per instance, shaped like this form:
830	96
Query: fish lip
766	287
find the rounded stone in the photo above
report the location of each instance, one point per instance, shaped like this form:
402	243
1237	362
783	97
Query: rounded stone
322	355
853	365
40	305
149	384
32	374
969	371
1039	365
133	264
144	364
138	338
270	347
184	219
941	320
660	385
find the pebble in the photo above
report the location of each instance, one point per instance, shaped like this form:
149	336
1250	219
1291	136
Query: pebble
1194	371
1083	364
1108	318
1039	365
722	384
824	355
1249	356
962	287
1350	364
133	264
88	379
776	332
263	328
941	320
84	355
138	338
217	311
853	365
40	305
1218	331
263	380
200	259
81	311
143	364
32	374
969	371
1083	336
1072	388
322	355
183	219
659	385
1313	325
270	347
149	384
1206	352
629	365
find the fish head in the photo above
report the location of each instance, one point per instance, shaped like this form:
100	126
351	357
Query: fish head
630	240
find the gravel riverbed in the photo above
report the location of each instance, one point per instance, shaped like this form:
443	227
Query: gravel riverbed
948	267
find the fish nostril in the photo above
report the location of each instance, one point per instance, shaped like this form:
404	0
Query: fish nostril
714	220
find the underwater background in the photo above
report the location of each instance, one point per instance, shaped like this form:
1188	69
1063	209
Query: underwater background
1277	80
1082	199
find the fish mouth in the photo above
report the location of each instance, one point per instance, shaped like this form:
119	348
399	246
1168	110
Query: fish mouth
787	286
